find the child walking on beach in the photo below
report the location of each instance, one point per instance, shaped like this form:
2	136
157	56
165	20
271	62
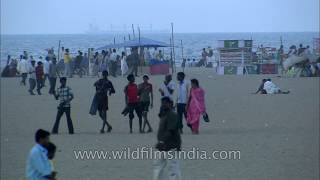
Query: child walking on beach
145	90
132	101
103	88
65	95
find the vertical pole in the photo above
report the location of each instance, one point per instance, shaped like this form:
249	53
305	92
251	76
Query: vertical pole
171	58
59	50
182	54
281	40
58	56
173	53
133	31
140	57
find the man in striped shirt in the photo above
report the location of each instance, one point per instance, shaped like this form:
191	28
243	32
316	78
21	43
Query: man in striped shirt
65	96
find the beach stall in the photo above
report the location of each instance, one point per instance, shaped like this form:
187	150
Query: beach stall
155	65
235	57
267	60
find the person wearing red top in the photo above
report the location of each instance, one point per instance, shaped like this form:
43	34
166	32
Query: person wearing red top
132	101
39	77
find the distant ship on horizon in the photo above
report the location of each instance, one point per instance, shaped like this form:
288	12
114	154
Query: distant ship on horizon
95	29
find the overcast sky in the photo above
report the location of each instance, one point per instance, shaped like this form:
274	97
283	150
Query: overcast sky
74	16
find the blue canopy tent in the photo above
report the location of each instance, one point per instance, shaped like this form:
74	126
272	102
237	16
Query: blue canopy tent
136	42
116	46
156	66
144	42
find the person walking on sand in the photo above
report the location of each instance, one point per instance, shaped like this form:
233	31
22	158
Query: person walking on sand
32	77
182	97
196	106
46	65
65	96
132	101
40	77
53	72
100	102
169	139
38	166
23	68
145	92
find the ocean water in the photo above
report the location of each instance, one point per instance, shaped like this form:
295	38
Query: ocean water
193	43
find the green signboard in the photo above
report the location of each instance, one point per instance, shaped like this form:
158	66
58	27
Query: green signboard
252	69
231	43
230	70
248	43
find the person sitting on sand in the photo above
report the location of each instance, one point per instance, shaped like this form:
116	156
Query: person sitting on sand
132	101
103	88
271	88
65	96
260	89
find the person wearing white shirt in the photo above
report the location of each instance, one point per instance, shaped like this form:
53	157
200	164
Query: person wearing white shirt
46	65
32	77
38	165
167	87
23	68
183	87
113	63
147	56
271	88
155	53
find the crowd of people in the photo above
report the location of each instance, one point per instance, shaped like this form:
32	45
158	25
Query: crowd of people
189	104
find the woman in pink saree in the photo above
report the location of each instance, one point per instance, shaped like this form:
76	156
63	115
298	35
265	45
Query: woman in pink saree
196	106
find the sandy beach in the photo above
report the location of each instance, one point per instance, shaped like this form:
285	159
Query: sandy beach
278	135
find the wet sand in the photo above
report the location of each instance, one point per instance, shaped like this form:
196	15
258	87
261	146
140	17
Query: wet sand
278	135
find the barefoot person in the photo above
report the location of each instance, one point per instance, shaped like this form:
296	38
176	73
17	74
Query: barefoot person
132	101
38	165
103	88
145	92
196	106
169	139
65	95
